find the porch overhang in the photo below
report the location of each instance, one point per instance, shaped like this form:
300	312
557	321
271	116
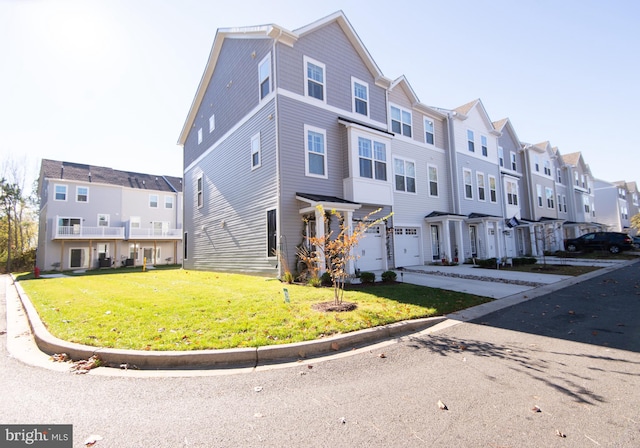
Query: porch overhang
327	202
475	218
436	216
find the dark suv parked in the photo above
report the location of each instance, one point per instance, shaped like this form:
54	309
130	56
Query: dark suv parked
614	242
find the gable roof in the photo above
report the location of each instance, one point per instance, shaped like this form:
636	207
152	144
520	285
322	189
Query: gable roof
403	83
462	112
278	34
506	125
55	169
572	158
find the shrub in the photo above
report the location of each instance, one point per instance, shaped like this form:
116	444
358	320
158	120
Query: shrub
367	277
487	263
325	279
288	277
314	281
389	276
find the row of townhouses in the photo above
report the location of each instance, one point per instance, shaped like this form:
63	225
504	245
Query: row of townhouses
283	121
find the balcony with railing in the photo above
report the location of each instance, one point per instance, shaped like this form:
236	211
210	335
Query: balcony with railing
80	232
151	233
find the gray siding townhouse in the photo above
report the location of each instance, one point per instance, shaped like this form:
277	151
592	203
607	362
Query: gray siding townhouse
581	202
541	213
612	203
282	122
93	216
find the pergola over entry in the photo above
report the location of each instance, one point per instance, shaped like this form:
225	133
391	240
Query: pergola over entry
328	203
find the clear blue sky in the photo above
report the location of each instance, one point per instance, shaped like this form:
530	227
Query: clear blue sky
109	82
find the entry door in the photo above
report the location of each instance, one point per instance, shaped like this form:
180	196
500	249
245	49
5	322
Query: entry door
473	236
148	254
76	258
435	242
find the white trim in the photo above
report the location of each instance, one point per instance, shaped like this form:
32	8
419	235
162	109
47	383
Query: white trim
479	175
433	125
199	136
66	192
415	175
355	81
323	132
306	61
267	58
77	194
390	124
495	183
429	165
464	183
157	200
485	139
108	219
258	151
212	123
200	191
172	202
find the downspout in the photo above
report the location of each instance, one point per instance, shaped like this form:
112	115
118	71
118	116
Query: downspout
277	149
529	186
453	165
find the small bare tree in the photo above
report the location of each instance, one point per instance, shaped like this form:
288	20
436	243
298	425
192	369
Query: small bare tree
336	252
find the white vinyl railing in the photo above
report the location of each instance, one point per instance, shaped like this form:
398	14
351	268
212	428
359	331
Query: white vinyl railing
154	233
78	231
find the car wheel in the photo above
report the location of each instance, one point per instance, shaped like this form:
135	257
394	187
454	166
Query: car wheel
614	249
572	248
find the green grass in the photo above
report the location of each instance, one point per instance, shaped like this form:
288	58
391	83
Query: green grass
174	309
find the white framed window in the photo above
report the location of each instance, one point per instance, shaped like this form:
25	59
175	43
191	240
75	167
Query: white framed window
372	159
429	131
103	220
559	177
468	183
564	203
547	168
483	143
433	180
481	186
360	91
539	192
576	175
199	191
536	163
256	159
400	121
582	181
153	200
314	85
134	222
60	193
559	203
514	165
264	76
585	201
315	161
501	155
512	193
493	194
471	143
405	175
199	135
212	123
82	194
168	202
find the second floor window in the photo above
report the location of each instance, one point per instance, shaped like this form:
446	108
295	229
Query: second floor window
264	76
153	200
471	144
315	79
405	175
316	158
60	193
103	220
373	159
360	98
400	121
429	131
168	202
82	194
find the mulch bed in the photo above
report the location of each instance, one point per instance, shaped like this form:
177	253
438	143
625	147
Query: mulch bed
332	307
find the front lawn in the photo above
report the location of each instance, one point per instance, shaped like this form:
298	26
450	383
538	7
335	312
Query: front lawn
175	309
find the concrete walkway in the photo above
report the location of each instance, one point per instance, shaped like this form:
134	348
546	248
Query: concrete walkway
32	343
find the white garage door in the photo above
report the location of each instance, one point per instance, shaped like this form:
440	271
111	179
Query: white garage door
370	250
407	246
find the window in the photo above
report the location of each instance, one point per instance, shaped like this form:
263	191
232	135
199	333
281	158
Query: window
168	202
433	180
582	180
405	175
103	220
272	234
373	159
468	186
82	194
575	175
501	155
537	163
160	228
512	193
480	182
539	191
493	195
199	135
559	203
185	240
153	200
212	123
549	194
483	142
360	97
400	121
255	151
316	158
199	192
559	177
264	76
314	86
547	168
564	203
514	165
134	222
470	141
429	131
585	202
60	193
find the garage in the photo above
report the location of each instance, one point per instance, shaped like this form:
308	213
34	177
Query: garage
407	246
370	250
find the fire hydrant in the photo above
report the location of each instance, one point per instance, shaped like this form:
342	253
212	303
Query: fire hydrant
36	272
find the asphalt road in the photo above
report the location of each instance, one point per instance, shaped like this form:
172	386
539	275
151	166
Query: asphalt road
575	354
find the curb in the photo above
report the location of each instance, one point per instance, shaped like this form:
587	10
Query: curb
223	358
